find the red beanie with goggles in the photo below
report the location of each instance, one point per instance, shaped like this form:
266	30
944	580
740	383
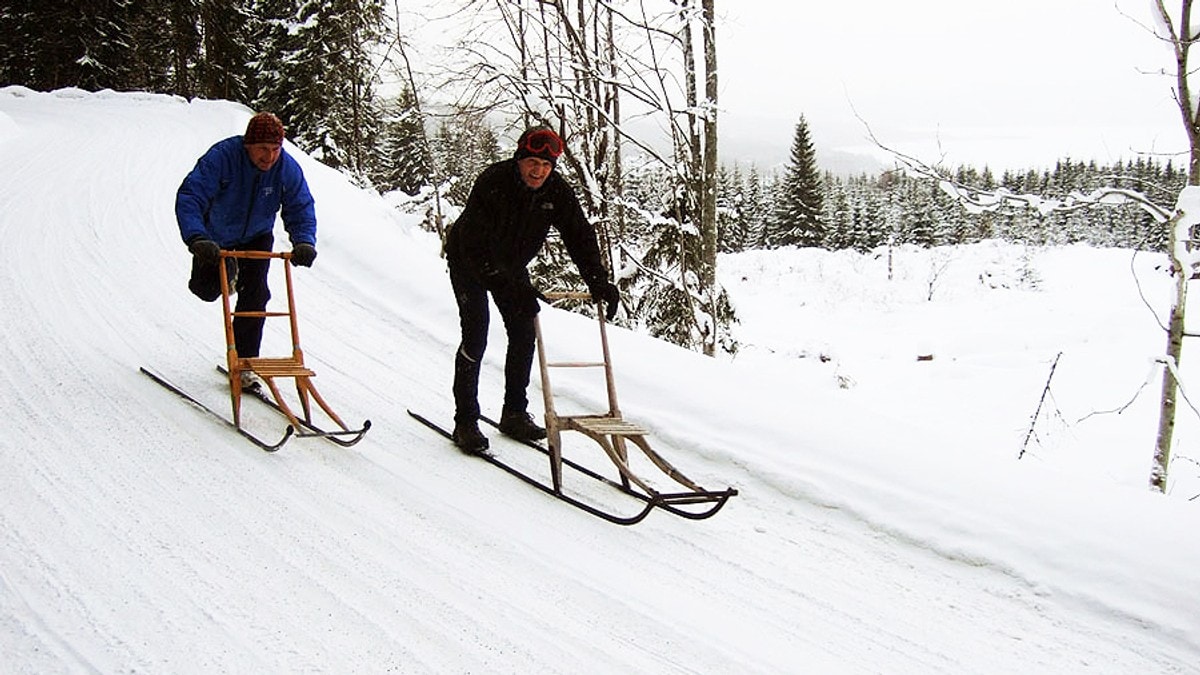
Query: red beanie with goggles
539	142
263	128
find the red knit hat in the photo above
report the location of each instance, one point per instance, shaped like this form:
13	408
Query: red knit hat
539	142
263	128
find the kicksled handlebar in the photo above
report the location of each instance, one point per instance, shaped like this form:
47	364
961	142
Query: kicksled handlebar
551	296
256	255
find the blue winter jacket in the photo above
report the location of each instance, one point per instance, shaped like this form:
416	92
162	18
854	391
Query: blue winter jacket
227	199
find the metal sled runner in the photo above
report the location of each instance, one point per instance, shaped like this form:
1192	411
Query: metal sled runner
270	369
614	434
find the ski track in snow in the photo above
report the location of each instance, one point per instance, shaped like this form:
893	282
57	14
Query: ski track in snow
140	535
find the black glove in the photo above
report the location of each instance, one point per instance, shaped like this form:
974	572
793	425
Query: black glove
304	255
607	293
205	250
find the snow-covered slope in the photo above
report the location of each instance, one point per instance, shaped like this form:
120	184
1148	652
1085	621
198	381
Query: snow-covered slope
138	534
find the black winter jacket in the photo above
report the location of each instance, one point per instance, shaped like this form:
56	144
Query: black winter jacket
504	224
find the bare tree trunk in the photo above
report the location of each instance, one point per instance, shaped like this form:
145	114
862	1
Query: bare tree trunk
1170	387
693	190
1181	40
708	201
618	183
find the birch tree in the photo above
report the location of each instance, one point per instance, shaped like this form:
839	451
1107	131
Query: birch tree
1178	31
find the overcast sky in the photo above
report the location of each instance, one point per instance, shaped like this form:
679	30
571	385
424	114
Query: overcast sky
1007	83
1010	84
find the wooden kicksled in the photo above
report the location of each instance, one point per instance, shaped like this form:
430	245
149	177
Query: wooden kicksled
288	367
615	434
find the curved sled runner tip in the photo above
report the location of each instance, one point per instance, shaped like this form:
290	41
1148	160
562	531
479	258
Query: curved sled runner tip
268	447
345	438
287	435
672	502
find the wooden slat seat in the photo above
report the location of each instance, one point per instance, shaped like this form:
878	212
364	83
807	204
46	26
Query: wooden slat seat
278	367
607	426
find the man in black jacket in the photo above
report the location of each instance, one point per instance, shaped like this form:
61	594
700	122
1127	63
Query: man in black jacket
511	208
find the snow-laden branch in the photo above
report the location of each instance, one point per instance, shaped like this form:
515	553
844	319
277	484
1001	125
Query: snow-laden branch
979	200
976	200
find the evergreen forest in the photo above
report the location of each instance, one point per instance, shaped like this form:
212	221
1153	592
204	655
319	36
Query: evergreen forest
320	65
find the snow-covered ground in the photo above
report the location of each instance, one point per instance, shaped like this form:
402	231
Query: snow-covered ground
885	523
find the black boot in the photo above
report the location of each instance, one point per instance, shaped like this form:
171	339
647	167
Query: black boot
520	425
469	438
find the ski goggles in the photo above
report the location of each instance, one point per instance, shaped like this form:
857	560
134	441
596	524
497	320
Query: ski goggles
543	143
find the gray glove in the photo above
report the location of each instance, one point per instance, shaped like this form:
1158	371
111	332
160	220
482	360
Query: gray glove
205	250
304	255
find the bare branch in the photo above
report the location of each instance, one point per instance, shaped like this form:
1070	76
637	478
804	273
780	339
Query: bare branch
978	200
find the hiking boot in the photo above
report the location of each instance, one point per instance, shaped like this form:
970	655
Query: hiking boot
251	382
520	425
469	438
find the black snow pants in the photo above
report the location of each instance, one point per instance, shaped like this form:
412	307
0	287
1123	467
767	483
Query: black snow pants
251	288
473	317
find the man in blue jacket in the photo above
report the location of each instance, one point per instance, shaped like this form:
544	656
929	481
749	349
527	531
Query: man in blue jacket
229	202
508	214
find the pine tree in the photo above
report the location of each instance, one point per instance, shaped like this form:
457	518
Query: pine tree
404	162
169	46
754	210
797	217
319	76
920	221
20	44
837	215
666	308
227	30
866	204
731	225
183	37
461	150
143	56
59	43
